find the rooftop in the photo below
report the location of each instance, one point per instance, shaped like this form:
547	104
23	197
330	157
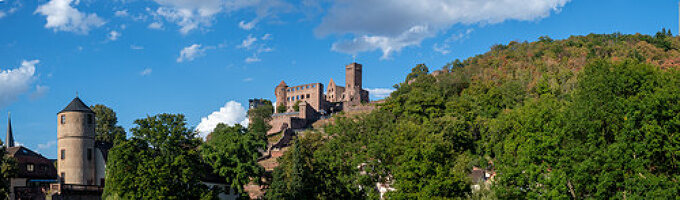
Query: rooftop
77	106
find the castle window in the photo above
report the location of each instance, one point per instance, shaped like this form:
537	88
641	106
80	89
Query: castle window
63	154
63	119
30	167
89	154
308	96
62	177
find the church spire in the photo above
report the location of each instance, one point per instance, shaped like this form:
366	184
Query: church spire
9	140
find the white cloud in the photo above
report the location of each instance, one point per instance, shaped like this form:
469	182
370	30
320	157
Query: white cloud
379	93
156	25
249	79
266	36
135	47
61	16
146	72
191	52
47	145
121	13
252	59
248	42
231	113
390	25
388	45
264	49
247	26
14	82
12	10
114	35
443	47
40	91
195	14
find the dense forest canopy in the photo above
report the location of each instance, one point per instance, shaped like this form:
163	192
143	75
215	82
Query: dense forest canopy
594	116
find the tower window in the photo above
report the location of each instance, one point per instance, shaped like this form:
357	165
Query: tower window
63	176
63	154
89	154
90	119
63	119
30	167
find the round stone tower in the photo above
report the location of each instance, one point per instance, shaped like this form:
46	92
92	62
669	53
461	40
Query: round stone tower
75	141
280	93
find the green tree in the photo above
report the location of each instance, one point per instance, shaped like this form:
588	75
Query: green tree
232	153
296	106
107	128
160	161
281	108
8	169
259	120
417	71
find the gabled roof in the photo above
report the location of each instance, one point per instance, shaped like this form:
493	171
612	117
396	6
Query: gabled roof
76	106
43	168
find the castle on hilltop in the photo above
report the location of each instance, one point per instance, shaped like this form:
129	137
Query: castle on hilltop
312	94
297	107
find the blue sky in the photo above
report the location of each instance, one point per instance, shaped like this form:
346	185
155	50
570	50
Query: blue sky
204	57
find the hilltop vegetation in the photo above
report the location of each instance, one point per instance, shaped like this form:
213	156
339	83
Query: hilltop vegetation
594	116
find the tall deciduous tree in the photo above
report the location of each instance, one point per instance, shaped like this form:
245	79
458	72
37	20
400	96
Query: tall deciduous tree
107	129
232	153
259	120
160	161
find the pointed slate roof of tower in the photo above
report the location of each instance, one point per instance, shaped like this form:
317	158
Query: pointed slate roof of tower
9	140
76	106
282	84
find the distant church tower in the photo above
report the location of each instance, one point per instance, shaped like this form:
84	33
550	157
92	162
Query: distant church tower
75	141
9	140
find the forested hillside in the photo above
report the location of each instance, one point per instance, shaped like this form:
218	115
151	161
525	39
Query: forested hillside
594	116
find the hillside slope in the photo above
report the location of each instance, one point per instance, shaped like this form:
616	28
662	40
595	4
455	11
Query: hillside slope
594	116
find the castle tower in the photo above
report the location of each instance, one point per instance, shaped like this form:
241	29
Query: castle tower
354	94
75	141
9	140
353	76
280	93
